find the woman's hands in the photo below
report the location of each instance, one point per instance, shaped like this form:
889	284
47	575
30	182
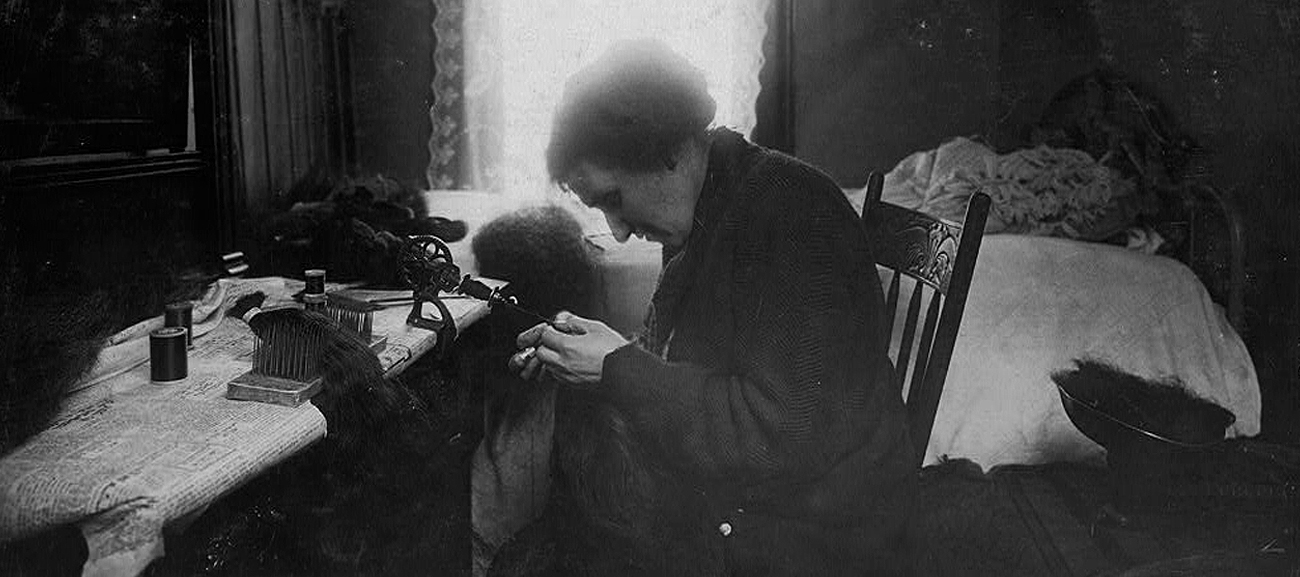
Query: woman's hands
571	349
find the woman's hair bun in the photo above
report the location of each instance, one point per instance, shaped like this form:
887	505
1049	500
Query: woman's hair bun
629	109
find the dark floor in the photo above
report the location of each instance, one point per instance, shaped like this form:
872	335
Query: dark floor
1234	513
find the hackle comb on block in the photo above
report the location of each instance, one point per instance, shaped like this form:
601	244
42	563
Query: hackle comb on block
286	352
356	316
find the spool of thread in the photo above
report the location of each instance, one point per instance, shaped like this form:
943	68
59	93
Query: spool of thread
314	295
168	357
181	314
315	278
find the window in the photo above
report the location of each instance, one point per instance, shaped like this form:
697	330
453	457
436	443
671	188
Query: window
501	67
93	78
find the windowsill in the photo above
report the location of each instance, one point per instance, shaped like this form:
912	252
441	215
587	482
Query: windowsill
478	207
87	168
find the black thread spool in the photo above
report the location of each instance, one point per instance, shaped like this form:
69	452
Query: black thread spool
181	314
168	357
314	294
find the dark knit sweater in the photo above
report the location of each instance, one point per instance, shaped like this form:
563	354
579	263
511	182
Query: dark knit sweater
762	379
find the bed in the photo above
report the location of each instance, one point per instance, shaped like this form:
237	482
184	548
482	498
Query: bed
1040	300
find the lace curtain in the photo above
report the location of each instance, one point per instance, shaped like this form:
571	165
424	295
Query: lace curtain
501	67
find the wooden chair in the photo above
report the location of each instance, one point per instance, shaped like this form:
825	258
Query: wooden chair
939	258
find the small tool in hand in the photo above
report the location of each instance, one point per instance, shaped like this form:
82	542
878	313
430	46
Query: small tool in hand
493	297
526	359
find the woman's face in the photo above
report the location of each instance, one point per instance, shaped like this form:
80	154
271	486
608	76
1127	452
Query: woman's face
658	206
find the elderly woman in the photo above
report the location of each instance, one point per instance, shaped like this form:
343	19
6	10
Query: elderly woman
761	383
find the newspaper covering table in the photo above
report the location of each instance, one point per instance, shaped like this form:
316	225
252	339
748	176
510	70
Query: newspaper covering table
126	457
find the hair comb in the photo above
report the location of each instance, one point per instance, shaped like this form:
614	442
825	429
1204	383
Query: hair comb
286	368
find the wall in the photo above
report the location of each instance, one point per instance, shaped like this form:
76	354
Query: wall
392	72
875	81
89	210
878	80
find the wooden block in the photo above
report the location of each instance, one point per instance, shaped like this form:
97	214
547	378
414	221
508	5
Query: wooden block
378	343
263	389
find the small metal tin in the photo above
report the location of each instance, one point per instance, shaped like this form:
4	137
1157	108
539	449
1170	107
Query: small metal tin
181	314
168	357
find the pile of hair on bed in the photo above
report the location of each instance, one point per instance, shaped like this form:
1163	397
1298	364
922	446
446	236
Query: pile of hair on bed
1165	407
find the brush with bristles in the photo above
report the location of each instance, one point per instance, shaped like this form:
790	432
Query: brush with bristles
286	353
357	316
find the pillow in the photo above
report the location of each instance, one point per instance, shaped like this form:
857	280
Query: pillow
920	181
1040	191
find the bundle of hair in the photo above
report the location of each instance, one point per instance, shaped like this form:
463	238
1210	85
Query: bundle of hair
1114	119
371	498
1163	407
609	503
51	332
55	318
352	227
541	252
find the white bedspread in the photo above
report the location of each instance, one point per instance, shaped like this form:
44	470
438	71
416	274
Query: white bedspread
1038	303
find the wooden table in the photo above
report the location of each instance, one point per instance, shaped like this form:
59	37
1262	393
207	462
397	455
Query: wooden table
128	457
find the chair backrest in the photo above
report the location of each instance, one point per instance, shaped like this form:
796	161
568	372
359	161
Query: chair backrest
929	261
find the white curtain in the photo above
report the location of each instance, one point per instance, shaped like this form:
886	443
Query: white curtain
518	53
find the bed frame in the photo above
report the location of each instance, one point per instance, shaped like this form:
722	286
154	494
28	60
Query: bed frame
1215	247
